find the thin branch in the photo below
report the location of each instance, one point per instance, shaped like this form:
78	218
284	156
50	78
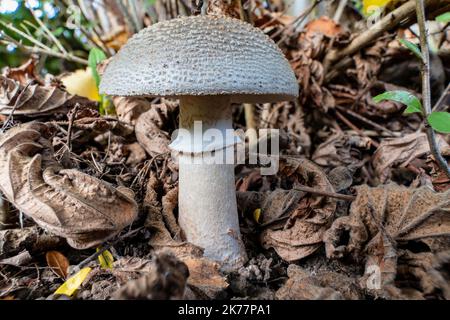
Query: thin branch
439	104
29	49
340	10
367	121
340	196
426	87
24	35
50	34
94	256
388	22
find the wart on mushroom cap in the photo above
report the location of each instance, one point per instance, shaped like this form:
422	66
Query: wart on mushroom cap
208	62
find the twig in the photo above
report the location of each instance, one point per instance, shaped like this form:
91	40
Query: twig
386	23
29	49
127	16
94	256
340	196
426	88
340	10
367	121
51	35
352	126
438	104
11	27
69	128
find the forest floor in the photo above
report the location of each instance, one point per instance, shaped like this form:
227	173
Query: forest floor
359	208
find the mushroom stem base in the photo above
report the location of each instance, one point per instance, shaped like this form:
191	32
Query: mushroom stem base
207	197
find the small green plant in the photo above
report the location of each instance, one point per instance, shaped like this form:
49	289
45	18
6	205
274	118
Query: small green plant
96	56
444	18
439	121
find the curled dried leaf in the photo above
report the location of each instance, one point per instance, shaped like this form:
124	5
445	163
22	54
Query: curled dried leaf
341	149
32	239
387	224
150	131
34	99
205	279
85	210
24	73
401	151
295	222
129	109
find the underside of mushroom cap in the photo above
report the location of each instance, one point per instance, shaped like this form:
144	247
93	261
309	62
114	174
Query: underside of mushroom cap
201	55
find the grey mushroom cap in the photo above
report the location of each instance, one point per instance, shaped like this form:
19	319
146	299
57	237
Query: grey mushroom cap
201	55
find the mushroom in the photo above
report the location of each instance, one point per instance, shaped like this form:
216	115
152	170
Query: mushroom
207	62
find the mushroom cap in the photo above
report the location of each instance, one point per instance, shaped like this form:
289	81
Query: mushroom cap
200	56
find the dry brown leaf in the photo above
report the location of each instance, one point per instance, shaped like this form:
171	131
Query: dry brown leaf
32	239
401	151
228	8
85	210
323	25
161	237
295	222
302	285
149	130
386	224
205	279
36	100
24	73
128	109
135	154
341	149
58	263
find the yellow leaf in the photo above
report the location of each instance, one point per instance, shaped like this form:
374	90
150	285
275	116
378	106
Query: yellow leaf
82	83
106	259
69	287
257	215
370	6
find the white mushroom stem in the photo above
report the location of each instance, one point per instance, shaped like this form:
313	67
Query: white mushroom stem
207	197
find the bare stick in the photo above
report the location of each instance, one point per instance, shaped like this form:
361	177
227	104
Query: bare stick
69	57
340	10
426	88
340	196
388	22
367	121
439	104
48	32
11	27
94	256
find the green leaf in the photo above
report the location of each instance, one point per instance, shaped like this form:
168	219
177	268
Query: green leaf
105	259
95	57
412	102
412	47
440	121
444	18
